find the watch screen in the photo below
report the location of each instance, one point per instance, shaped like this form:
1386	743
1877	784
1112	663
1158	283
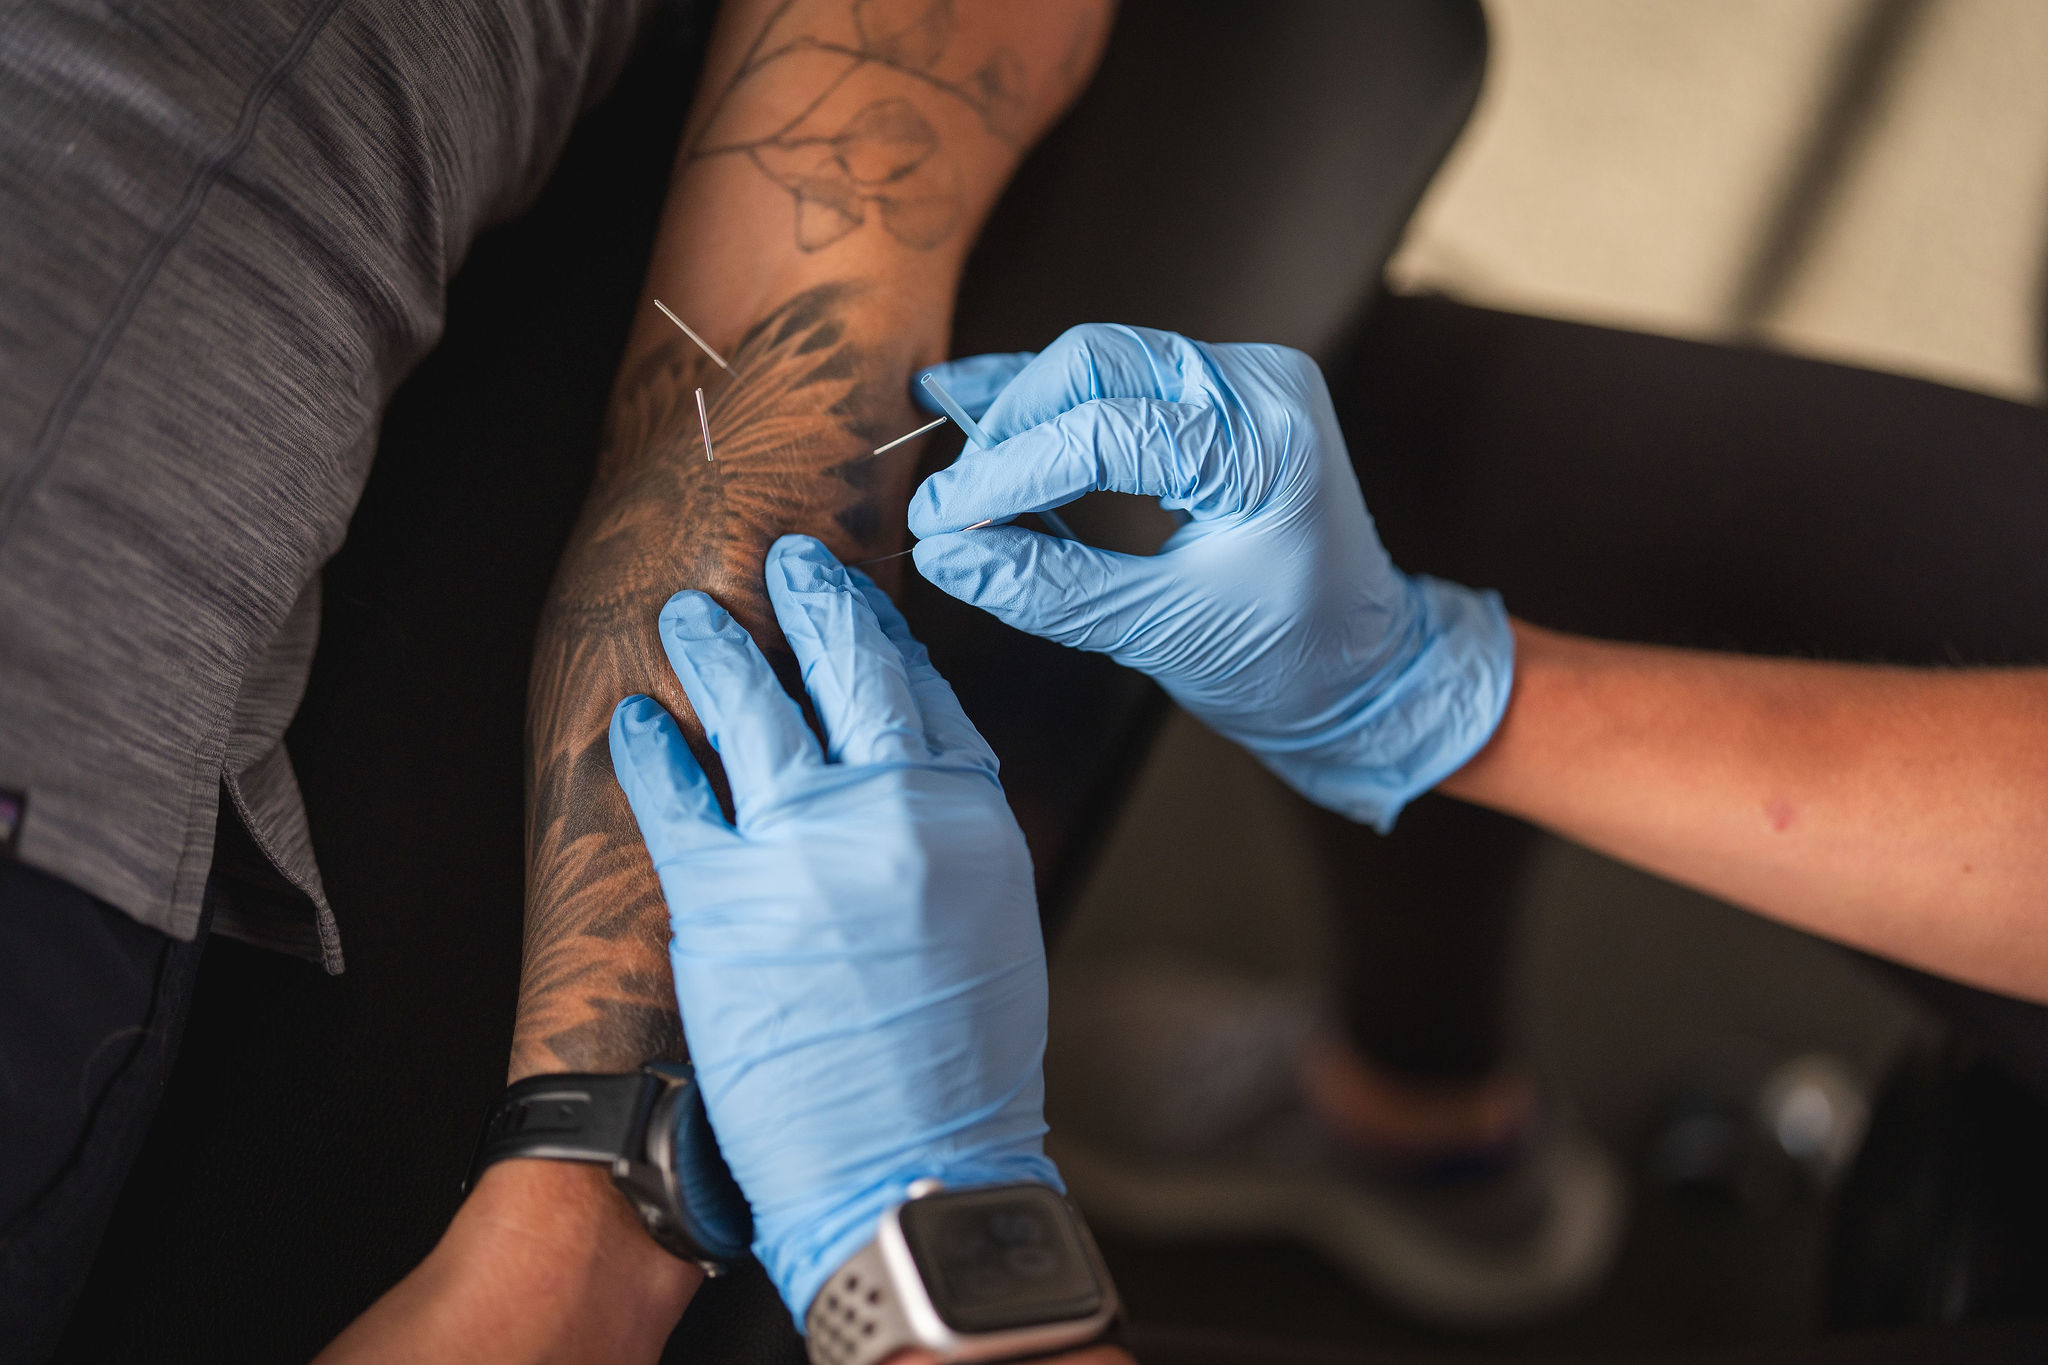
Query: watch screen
1000	1258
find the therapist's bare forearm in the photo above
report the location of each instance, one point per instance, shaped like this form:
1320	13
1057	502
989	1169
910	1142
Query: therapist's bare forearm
1904	811
544	1262
839	160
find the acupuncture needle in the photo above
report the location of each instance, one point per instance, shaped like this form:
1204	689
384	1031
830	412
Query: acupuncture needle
932	425
702	344
887	446
951	407
884	559
704	424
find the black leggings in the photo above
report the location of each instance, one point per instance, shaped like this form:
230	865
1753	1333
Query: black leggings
1640	488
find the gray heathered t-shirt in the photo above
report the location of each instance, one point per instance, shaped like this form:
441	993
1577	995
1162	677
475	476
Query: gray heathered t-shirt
226	232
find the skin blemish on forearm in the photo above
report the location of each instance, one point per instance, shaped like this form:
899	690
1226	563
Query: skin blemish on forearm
1780	814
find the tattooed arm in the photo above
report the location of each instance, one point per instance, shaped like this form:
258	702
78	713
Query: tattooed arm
840	158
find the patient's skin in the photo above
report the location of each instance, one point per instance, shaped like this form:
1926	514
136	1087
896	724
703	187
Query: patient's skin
839	160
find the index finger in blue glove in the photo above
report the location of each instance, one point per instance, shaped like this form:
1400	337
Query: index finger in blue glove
852	670
1100	360
671	797
1177	451
749	719
974	381
947	732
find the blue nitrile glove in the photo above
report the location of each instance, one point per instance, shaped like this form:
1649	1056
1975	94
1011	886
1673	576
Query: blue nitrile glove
858	958
1274	615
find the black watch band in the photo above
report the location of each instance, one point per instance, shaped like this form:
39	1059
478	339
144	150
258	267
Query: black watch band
649	1129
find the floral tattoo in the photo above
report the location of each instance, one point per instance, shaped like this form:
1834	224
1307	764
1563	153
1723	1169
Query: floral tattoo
883	161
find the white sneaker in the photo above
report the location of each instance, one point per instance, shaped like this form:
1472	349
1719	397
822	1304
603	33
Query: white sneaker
1176	1113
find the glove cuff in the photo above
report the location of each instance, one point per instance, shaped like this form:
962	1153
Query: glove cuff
799	1265
1435	714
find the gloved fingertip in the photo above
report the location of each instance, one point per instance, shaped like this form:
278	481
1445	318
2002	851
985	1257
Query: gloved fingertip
927	553
796	545
688	602
945	558
803	564
691	614
635	712
637	723
925	516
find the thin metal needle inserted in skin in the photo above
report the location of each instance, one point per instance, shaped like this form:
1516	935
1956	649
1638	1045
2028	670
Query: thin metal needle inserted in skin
1053	521
932	425
704	424
884	559
702	344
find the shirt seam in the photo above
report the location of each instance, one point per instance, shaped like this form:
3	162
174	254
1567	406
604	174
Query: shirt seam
57	423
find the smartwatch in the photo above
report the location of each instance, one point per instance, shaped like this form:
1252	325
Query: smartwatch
650	1128
990	1273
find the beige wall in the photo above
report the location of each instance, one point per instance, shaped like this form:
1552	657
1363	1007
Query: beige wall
1629	159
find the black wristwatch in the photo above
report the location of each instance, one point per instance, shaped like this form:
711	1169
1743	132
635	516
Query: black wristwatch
649	1127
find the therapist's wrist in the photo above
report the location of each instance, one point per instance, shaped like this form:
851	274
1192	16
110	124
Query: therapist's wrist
1427	710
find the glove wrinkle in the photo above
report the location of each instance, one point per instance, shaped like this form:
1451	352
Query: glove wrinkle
858	959
1274	615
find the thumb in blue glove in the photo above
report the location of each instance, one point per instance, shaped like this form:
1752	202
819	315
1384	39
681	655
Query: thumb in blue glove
1274	614
857	953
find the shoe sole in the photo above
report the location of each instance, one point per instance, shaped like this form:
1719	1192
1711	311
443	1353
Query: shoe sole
1380	1244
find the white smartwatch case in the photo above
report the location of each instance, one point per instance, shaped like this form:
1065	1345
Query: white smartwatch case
878	1302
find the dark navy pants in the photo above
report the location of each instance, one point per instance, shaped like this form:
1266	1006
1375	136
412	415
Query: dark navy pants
92	1006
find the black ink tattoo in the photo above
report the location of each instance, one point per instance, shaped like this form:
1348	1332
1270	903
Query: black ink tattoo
595	992
662	513
885	160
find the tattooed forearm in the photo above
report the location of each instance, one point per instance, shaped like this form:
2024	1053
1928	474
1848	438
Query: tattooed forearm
807	399
908	114
844	159
791	434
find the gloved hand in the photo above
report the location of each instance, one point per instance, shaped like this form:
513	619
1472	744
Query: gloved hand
857	956
1273	615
